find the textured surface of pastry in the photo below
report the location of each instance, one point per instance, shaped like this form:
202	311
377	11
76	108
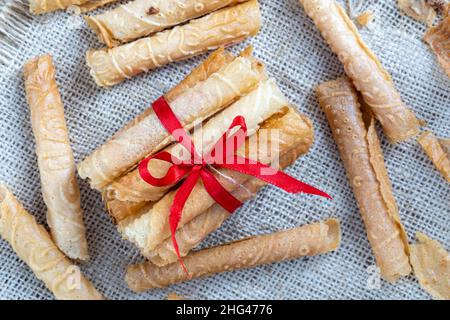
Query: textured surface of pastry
257	106
431	264
307	240
90	5
55	158
361	153
438	38
362	66
145	134
437	152
140	18
152	228
33	245
223	27
193	233
420	10
43	6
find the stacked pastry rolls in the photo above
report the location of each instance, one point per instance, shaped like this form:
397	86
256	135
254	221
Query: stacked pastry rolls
223	27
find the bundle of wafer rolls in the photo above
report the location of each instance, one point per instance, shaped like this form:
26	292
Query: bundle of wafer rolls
359	146
223	27
363	68
32	243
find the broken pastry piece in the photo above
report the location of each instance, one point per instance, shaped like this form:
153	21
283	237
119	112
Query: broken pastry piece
362	66
438	38
420	10
145	134
34	246
226	26
55	158
437	151
361	153
431	264
365	18
174	296
307	240
151	228
140	18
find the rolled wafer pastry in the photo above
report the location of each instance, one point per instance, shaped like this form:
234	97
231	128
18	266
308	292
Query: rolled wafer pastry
33	245
362	66
152	228
223	27
436	152
93	4
438	37
259	105
193	233
140	18
55	158
44	6
307	240
145	134
363	160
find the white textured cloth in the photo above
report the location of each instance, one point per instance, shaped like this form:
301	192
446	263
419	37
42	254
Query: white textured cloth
296	55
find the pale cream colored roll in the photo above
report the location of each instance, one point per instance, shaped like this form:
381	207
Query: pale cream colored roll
259	105
193	233
438	37
55	158
93	4
307	240
44	6
140	18
362	66
436	152
152	228
145	134
33	245
226	26
363	160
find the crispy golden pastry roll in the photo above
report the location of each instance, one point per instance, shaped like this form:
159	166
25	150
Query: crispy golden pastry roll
259	105
34	246
152	228
55	158
223	27
438	37
146	135
363	160
307	240
437	152
421	10
195	231
431	264
362	66
140	18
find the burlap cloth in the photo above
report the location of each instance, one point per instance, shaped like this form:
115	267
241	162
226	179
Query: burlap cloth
297	56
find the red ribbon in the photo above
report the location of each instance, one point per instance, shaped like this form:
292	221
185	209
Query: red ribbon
197	167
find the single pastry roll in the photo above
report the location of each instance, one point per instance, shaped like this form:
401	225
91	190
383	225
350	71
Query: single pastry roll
55	159
140	18
363	160
259	105
151	228
437	152
307	240
438	38
223	27
431	264
146	135
362	66
193	233
33	245
420	10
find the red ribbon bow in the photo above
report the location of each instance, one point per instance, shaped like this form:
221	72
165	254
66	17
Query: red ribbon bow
197	168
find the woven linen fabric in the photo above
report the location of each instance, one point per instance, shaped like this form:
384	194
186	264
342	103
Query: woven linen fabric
297	56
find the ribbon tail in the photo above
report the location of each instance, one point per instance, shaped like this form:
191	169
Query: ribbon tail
220	195
278	178
177	208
